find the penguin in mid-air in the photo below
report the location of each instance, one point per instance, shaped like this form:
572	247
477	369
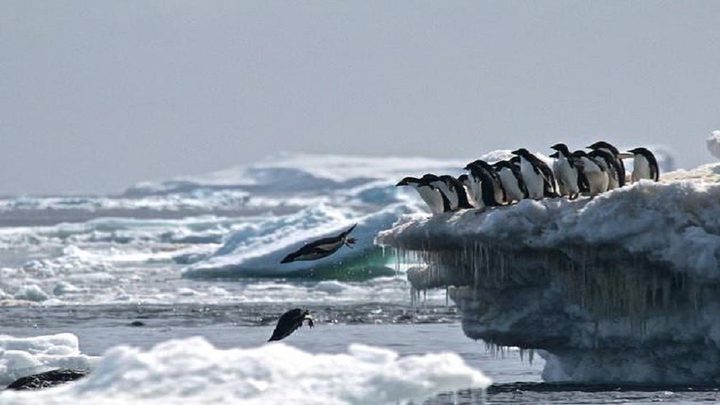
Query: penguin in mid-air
511	180
602	145
491	192
538	177
428	193
289	322
645	166
321	248
566	173
593	172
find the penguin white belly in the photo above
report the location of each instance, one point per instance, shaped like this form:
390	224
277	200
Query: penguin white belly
470	193
533	181
613	182
510	183
641	168
432	198
597	179
451	196
567	176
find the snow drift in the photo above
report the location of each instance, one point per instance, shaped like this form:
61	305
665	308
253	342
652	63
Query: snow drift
20	357
621	288
194	371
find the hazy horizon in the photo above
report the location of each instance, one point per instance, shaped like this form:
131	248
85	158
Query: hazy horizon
98	96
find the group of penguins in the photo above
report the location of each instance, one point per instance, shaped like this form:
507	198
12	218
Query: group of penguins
526	176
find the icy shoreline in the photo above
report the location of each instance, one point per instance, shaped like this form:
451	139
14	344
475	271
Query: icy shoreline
622	288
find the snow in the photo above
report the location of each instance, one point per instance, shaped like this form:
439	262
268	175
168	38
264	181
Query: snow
193	371
20	357
624	287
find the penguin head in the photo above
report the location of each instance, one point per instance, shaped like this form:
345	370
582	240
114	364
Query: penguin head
641	151
428	179
408	181
463	178
502	164
604	145
554	155
515	160
521	152
579	154
561	148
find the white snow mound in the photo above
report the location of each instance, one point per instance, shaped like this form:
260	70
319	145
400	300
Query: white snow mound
20	357
193	371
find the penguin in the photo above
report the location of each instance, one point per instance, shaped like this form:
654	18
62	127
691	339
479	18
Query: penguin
602	145
511	180
565	171
610	164
429	194
431	180
457	190
595	175
645	166
289	322
321	248
464	179
538	177
491	191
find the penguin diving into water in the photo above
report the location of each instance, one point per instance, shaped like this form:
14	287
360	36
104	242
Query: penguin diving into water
289	322
321	248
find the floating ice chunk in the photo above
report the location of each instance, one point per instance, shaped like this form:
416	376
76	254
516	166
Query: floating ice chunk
31	293
20	357
63	287
713	143
194	371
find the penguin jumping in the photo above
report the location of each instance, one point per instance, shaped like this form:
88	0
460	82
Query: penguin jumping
645	166
289	322
321	248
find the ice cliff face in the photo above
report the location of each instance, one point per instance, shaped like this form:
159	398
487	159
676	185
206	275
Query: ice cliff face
621	288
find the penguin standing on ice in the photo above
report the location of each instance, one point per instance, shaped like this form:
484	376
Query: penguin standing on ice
611	166
434	181
464	179
457	190
595	175
511	180
565	171
428	193
538	177
491	192
602	145
645	166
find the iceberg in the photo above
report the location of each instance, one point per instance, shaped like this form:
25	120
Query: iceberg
194	371
622	288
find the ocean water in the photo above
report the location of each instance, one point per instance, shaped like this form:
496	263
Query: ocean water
199	256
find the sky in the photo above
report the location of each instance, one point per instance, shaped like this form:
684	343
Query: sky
98	95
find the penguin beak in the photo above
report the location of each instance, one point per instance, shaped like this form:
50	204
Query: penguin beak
402	183
515	152
554	155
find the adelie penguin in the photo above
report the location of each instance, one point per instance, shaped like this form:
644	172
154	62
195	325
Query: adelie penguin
321	248
593	172
602	145
610	165
427	192
565	171
434	181
465	180
491	192
645	166
539	178
289	322
455	192
511	180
